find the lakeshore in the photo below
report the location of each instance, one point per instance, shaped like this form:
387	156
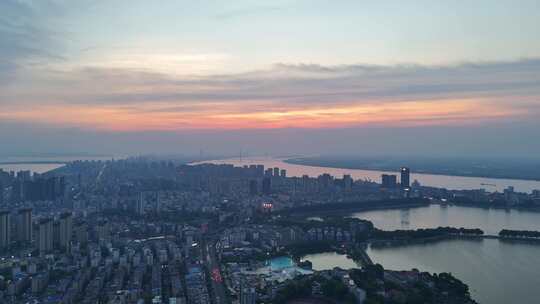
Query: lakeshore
345	208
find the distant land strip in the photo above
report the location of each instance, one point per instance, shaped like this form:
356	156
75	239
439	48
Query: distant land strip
336	164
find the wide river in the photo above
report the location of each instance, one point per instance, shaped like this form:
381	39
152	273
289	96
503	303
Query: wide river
497	272
33	167
42	164
444	181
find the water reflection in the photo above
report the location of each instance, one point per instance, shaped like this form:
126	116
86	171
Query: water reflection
329	260
497	272
490	220
405	215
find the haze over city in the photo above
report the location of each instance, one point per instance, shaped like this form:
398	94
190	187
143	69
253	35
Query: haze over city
280	152
432	78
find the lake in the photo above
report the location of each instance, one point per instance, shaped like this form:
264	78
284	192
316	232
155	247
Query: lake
497	272
491	221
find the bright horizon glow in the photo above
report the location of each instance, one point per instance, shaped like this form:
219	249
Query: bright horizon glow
119	67
144	117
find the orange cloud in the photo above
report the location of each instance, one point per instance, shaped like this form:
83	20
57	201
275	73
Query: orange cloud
160	116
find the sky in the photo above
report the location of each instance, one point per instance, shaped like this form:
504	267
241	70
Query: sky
419	77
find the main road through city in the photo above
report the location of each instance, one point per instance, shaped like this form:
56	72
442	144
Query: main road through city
212	263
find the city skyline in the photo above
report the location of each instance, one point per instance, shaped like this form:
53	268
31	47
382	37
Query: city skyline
100	77
286	151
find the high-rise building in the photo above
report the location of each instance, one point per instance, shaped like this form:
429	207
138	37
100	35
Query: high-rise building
43	189
24	225
16	191
158	203
56	234
45	235
1	192
141	204
267	185
389	181
81	233
253	187
260	170
5	231
347	182
283	173
66	230
103	231
405	177
24	175
268	172
276	172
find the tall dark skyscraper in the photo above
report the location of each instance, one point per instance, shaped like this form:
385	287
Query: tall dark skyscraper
267	185
405	177
1	192
66	228
260	170
45	236
389	181
5	232
253	187
41	189
24	225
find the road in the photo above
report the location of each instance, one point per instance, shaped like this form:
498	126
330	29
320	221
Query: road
218	286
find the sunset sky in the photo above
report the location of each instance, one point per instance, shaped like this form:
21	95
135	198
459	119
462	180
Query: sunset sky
345	77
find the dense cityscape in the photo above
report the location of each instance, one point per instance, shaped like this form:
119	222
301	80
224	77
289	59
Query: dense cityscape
269	152
142	230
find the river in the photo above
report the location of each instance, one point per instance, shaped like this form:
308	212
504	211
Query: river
41	164
433	180
33	167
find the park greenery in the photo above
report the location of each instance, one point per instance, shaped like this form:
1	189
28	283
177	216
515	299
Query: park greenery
332	289
424	233
360	205
431	289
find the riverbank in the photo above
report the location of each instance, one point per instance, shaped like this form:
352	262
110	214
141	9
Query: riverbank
430	180
326	163
36	167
